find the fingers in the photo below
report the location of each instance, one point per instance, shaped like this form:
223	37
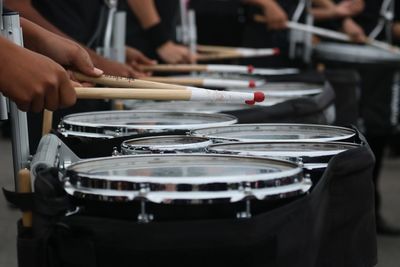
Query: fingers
81	61
67	94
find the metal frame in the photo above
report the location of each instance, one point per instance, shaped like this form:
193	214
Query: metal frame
19	123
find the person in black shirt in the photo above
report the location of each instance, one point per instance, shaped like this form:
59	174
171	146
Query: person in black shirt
151	29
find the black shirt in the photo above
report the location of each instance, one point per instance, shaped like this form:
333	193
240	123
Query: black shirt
76	18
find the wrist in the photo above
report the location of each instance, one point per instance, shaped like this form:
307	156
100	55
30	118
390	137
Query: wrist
157	35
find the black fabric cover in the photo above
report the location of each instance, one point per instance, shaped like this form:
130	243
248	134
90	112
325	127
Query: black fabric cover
332	226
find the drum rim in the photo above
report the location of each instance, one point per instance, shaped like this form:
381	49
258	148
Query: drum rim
121	130
163	196
214	147
203	143
195	132
294	170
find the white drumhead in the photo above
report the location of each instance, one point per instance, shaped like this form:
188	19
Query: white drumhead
277	133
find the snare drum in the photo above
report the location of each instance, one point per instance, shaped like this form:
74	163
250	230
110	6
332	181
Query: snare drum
355	54
190	179
278	133
111	124
165	144
313	156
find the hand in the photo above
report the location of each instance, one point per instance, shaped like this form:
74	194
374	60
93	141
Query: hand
173	53
396	30
349	8
135	58
275	16
62	50
114	68
33	81
354	31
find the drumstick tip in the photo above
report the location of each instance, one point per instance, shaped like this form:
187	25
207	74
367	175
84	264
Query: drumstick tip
252	84
277	51
258	97
250	69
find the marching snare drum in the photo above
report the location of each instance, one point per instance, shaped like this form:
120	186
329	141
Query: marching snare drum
110	124
189	179
165	144
271	132
354	54
313	156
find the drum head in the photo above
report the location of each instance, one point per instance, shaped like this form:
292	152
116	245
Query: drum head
352	53
191	177
278	133
309	152
110	124
168	143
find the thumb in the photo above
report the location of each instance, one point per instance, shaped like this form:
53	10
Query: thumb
82	62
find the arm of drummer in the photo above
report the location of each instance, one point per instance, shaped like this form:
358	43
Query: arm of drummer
169	51
108	66
327	9
354	31
276	17
396	30
42	83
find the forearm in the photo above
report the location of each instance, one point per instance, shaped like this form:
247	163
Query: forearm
323	13
146	12
25	8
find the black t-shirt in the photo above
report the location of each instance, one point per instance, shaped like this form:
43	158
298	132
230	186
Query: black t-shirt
77	18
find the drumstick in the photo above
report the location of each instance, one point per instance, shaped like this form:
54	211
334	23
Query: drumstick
24	186
238	54
122	82
217	68
206	82
47	122
237	50
333	34
162	94
164	82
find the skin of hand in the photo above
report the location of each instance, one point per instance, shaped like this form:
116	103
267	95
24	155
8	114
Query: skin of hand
173	53
349	8
276	17
354	31
33	81
112	67
396	30
62	50
135	58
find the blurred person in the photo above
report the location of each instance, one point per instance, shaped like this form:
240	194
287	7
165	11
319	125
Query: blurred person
151	28
78	20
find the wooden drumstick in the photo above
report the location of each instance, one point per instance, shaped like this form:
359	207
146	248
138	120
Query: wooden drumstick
47	124
206	82
216	68
333	34
122	82
238	53
162	94
24	186
236	50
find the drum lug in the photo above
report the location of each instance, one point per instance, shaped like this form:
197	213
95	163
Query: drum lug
144	217
115	152
246	187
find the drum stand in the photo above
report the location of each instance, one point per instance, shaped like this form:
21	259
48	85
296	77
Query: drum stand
385	22
114	36
302	40
11	29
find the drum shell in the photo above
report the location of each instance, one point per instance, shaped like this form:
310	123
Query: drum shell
165	144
